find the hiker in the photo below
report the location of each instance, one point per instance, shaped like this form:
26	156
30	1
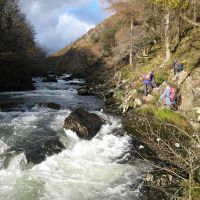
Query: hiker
149	82
170	97
177	67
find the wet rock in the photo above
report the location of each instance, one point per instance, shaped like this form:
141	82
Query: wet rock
47	147
50	78
85	124
86	91
51	105
69	78
35	151
110	94
76	83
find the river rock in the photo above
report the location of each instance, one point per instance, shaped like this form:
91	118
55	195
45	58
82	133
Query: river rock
46	147
51	105
85	91
69	78
86	125
50	78
36	151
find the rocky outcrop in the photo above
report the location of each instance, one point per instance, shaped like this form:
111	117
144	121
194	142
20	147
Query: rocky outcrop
86	125
190	91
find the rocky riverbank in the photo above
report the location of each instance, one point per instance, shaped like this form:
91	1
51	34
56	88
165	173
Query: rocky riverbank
161	142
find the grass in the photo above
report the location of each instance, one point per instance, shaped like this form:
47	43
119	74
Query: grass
195	190
167	115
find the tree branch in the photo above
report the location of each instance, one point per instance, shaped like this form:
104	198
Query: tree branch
189	20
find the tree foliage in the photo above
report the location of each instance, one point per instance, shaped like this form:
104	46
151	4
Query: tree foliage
18	49
173	4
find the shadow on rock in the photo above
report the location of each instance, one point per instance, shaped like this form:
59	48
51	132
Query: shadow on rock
86	125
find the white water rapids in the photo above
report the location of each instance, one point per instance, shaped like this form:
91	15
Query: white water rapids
84	170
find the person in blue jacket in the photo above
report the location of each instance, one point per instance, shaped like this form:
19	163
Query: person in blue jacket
170	96
149	82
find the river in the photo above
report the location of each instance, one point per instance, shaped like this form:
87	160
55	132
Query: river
83	170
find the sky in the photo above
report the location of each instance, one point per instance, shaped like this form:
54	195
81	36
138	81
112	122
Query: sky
59	22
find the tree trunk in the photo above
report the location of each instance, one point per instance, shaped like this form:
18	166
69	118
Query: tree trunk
190	177
190	21
178	31
195	11
167	37
131	47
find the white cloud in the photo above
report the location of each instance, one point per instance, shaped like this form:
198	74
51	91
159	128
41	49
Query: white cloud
54	26
66	30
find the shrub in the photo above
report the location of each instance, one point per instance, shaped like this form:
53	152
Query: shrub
107	40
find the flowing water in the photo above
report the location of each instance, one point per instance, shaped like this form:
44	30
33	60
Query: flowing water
83	170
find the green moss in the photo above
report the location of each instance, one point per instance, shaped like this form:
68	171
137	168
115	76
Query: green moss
165	114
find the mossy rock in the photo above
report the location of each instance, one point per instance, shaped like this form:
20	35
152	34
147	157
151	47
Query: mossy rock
164	138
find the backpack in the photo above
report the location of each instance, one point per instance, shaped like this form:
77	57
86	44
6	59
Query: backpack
147	77
180	67
173	94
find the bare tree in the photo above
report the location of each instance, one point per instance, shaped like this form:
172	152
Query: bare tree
130	11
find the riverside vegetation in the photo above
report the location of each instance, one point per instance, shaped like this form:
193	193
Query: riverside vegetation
140	36
114	57
20	56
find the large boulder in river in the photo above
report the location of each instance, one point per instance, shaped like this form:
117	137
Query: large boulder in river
85	124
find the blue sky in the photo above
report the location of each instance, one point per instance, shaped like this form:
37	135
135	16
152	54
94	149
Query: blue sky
59	22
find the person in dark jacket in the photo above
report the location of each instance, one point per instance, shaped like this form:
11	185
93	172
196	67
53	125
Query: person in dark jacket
149	82
177	67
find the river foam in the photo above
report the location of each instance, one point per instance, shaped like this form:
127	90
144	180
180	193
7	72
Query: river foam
84	170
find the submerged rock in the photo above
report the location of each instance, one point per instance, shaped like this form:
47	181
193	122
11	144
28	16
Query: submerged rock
85	124
51	105
69	78
46	147
36	151
50	78
84	91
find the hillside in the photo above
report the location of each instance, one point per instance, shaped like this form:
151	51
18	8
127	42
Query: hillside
103	55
